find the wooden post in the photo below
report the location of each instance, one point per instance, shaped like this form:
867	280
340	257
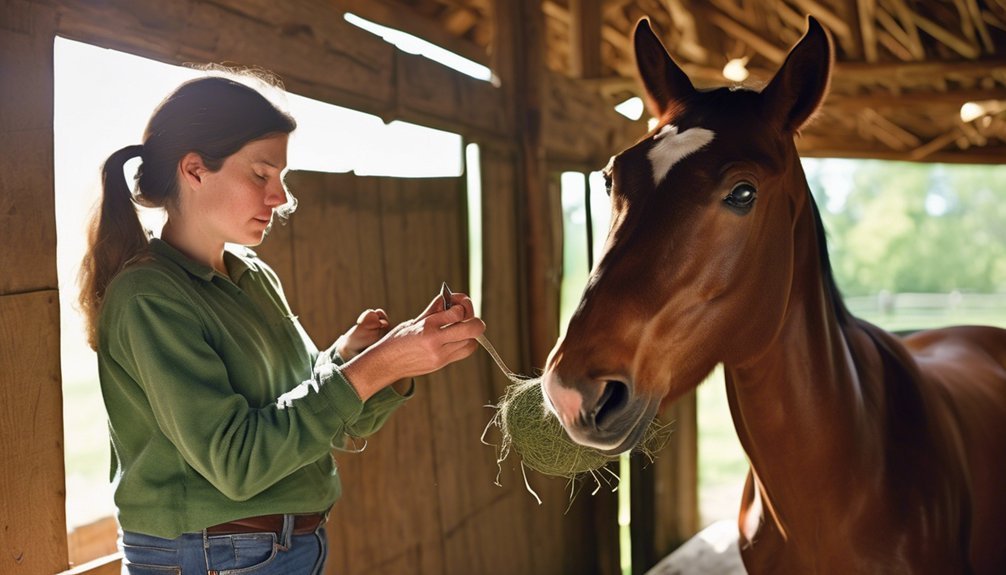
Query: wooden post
518	59
32	505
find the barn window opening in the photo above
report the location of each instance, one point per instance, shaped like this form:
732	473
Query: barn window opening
102	101
473	175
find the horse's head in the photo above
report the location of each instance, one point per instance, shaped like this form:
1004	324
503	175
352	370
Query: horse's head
698	261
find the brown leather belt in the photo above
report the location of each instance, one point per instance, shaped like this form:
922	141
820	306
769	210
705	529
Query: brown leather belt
302	525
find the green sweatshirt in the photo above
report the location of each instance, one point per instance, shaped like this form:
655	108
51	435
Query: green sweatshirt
219	404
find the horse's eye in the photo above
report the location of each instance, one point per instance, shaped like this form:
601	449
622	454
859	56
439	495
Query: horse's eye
742	197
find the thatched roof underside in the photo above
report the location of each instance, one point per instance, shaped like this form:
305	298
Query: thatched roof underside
904	68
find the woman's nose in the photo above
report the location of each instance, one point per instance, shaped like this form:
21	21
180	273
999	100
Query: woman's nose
275	195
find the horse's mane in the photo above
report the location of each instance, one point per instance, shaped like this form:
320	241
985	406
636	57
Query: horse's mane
842	313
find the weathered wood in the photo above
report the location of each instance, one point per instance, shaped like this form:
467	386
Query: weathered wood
315	52
506	319
579	128
27	214
585	38
32	509
519	46
665	507
92	541
816	147
429	92
108	565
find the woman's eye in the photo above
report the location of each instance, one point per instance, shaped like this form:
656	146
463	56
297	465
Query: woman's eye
260	176
742	196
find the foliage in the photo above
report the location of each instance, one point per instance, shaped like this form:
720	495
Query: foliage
905	227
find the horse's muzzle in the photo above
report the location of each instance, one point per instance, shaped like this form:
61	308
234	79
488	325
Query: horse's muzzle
603	413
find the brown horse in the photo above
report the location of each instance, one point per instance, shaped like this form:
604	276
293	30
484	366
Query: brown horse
869	453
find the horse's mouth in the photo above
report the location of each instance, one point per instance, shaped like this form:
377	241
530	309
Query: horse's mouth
614	432
635	431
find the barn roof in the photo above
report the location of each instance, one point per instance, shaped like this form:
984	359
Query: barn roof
904	68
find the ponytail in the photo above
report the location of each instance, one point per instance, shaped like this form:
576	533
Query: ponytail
115	237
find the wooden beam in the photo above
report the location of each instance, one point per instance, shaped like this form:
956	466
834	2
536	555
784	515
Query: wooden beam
954	98
912	41
585	38
867	16
910	44
862	72
110	565
934	145
749	37
824	13
812	146
975	13
397	16
683	19
887	131
962	47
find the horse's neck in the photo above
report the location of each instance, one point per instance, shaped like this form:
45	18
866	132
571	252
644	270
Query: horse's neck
800	410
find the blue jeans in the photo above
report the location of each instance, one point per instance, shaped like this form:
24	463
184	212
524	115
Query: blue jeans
244	554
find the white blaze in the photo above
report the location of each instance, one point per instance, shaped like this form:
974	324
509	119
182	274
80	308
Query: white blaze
672	147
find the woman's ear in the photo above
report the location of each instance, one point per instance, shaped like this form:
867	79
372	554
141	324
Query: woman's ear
191	170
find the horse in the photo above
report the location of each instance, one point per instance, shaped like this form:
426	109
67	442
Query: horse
869	453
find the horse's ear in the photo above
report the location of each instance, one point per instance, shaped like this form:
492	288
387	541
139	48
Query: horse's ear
799	87
667	86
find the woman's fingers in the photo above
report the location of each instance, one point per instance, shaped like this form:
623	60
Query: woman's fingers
461	330
457	299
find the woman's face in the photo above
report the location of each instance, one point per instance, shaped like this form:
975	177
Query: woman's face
236	203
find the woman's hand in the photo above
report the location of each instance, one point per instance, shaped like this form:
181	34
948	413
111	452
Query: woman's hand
370	327
430	341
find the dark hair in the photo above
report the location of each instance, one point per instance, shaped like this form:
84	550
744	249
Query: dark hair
213	116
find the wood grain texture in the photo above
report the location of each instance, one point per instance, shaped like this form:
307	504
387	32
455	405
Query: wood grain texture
27	213
421	498
32	512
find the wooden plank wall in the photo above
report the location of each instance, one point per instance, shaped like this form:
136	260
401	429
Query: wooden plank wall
32	513
421	498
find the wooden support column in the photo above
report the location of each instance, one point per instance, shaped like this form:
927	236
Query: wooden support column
518	59
32	506
585	38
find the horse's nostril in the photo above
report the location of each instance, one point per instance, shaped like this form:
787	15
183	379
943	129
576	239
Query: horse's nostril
611	402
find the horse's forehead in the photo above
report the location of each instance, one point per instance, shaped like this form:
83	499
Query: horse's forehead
670	146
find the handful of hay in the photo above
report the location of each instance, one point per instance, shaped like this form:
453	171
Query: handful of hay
530	429
535	433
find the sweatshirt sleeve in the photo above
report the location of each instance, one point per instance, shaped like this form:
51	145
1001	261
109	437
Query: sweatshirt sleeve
377	408
240	449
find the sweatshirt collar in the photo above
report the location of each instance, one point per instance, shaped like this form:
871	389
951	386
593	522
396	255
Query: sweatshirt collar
238	259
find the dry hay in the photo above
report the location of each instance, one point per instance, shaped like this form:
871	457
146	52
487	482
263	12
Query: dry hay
529	428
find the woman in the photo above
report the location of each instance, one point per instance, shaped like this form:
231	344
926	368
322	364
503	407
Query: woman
222	411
